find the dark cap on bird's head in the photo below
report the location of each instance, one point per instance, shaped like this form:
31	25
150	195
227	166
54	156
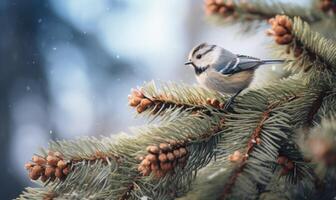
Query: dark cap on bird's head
201	55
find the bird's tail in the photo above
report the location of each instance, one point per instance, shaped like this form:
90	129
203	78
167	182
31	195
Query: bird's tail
273	61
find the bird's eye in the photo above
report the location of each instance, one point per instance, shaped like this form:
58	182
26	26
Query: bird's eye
199	56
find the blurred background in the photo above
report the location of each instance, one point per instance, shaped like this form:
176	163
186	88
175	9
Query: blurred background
67	66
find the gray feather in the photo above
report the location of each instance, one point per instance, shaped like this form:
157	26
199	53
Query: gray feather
240	63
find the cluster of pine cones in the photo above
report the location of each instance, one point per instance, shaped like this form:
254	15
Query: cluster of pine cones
163	158
48	168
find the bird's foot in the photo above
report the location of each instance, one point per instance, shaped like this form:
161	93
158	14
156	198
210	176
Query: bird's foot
229	103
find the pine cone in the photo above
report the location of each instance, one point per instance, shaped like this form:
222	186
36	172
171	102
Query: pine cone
236	157
215	103
221	7
49	167
286	164
163	158
281	29
137	99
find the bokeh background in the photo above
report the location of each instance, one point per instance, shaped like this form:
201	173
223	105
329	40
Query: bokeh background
67	66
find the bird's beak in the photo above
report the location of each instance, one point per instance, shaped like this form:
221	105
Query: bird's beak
188	63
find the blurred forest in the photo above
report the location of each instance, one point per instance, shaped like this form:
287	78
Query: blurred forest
67	67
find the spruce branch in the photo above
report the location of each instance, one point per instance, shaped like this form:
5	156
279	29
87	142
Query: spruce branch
258	11
262	120
114	172
318	146
304	49
37	193
327	6
166	98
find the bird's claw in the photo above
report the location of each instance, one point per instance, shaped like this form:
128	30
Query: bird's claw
228	104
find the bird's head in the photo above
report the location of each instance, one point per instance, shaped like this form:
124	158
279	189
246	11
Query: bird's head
203	55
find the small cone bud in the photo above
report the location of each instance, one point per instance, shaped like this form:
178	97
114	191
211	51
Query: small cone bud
282	20
177	153
151	157
37	169
209	2
172	143
58	154
38	160
140	109
170	156
137	93
289	25
49	171
280	31
145	162
183	151
61	164
58	173
215	103
134	101
52	160
163	157
164	147
33	175
145	103
28	166
153	149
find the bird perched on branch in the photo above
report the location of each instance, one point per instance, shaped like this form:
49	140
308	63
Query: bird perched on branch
219	69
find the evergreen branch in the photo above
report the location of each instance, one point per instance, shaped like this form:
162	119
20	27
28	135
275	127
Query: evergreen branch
274	113
254	141
37	193
304	49
328	107
256	10
315	107
118	177
319	147
117	173
327	6
168	98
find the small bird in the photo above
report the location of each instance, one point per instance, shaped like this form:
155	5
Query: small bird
218	69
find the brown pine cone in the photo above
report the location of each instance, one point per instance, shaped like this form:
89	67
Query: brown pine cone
281	29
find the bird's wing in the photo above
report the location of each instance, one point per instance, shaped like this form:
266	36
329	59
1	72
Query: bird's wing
238	64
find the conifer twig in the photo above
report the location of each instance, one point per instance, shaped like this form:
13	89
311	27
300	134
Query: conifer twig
160	100
304	49
246	11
